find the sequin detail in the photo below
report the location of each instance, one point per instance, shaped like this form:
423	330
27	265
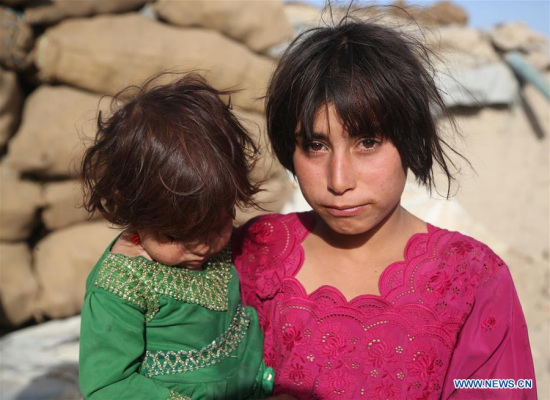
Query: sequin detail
141	281
175	362
177	396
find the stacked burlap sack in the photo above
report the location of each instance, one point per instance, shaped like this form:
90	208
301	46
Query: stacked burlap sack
58	59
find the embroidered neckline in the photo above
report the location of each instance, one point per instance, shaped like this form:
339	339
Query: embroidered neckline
306	221
141	281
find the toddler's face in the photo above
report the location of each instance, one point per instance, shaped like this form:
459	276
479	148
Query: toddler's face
192	255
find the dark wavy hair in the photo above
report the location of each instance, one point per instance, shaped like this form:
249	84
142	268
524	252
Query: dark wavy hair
170	159
379	80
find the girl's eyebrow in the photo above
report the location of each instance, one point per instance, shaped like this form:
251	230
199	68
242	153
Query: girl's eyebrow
314	135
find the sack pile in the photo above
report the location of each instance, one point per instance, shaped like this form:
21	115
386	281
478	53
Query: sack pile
58	60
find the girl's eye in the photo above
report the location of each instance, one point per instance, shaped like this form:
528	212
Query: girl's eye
313	146
369	143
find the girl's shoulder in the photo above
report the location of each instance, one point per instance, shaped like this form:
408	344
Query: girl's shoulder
272	230
456	242
460	253
268	247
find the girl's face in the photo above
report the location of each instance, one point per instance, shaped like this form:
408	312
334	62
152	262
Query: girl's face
353	184
165	250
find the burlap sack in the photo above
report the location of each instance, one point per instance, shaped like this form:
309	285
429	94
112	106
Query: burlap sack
107	53
18	286
10	104
15	2
63	205
52	135
54	11
277	187
62	262
16	40
258	24
19	203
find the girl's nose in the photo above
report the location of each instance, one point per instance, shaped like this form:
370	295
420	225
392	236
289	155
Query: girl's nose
341	176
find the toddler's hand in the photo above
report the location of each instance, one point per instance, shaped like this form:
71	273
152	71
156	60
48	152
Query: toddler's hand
124	245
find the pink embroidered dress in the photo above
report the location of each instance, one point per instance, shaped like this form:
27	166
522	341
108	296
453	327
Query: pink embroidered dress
448	311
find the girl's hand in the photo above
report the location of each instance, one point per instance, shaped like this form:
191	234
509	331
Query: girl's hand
124	245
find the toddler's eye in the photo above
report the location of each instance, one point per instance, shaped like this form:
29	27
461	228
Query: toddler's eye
170	238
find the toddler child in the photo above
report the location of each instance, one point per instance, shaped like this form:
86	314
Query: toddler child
162	316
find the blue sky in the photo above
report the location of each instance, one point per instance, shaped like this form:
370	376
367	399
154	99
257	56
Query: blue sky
484	14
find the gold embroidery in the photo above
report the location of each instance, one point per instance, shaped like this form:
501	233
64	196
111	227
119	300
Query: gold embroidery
177	396
174	362
140	281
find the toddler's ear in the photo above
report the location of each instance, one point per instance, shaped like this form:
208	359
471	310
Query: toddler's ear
126	246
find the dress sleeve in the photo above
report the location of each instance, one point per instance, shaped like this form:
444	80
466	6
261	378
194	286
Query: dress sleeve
493	343
112	343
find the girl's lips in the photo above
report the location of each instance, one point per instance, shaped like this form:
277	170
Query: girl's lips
345	211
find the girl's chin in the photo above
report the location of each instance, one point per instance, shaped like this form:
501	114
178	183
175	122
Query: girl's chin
353	226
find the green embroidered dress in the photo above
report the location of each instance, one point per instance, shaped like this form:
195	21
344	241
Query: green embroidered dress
150	331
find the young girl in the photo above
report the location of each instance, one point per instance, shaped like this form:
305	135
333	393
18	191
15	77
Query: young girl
162	317
358	298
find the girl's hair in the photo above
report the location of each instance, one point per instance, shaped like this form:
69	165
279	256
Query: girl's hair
171	159
378	79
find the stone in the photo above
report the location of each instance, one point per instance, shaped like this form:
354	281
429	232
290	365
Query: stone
17	40
518	36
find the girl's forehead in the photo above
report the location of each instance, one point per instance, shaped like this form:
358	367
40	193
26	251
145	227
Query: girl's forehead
324	119
330	120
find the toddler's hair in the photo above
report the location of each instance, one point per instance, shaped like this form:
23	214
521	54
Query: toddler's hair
172	158
380	82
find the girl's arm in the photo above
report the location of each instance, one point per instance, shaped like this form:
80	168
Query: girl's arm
493	344
112	344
